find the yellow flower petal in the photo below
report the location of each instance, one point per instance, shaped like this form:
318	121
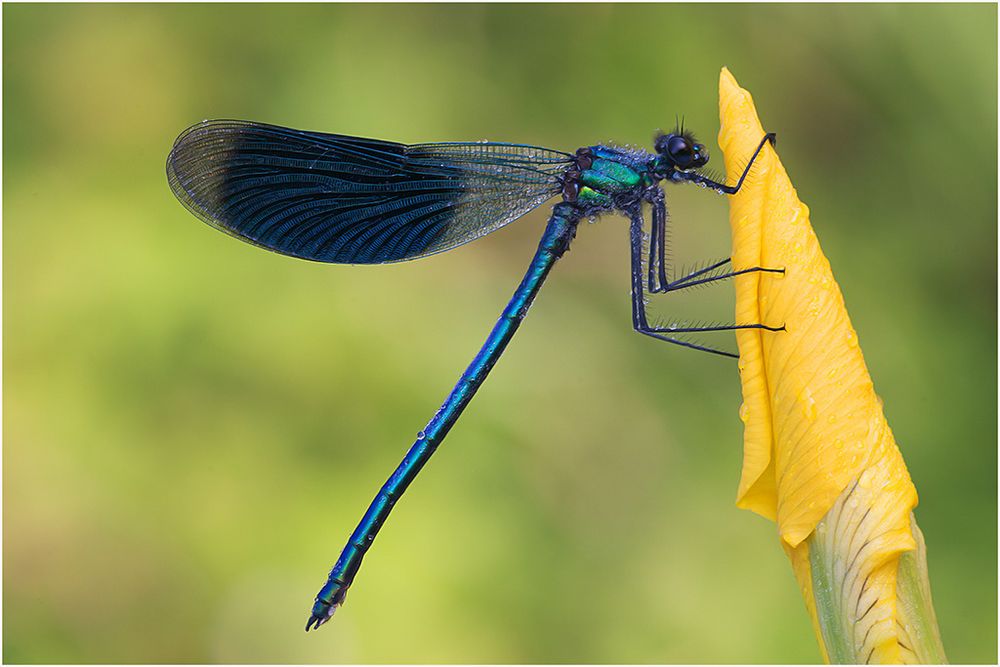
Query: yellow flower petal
819	456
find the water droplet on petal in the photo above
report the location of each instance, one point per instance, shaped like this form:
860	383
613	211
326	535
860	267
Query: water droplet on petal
809	408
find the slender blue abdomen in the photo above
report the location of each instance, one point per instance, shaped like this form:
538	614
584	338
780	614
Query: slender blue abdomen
558	234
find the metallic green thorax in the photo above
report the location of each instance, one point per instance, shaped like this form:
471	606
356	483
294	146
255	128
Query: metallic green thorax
610	177
605	175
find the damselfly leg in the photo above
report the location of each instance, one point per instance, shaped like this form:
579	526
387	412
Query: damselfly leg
656	280
658	283
640	319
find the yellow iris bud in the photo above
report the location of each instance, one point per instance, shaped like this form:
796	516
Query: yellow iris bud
819	457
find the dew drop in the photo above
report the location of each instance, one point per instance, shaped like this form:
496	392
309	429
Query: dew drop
809	408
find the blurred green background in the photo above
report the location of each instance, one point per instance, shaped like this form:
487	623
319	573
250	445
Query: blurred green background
193	426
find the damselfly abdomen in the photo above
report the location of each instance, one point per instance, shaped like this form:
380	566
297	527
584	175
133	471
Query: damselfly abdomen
346	200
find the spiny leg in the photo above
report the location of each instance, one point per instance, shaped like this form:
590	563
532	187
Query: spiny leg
705	270
658	243
657	257
689	280
718	327
639	320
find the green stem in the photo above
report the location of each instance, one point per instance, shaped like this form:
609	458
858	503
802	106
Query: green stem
919	629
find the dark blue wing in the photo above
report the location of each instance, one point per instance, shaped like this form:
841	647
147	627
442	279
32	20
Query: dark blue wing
333	198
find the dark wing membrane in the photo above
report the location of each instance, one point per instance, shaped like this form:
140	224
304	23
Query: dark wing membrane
333	198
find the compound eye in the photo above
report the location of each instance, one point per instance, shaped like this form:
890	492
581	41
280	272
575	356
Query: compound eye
680	151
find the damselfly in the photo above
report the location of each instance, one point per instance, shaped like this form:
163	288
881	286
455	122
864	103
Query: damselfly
347	200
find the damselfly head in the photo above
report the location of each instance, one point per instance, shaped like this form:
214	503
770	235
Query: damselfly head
681	151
